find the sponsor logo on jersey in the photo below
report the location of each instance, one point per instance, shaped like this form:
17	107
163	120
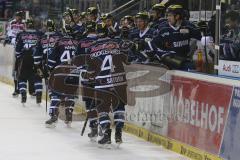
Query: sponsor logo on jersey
104	46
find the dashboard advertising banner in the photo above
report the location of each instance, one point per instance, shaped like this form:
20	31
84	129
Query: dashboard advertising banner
198	112
230	146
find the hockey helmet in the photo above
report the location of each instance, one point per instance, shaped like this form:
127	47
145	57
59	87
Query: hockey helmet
50	25
142	15
159	7
30	23
65	14
92	10
19	13
176	9
74	11
102	29
83	14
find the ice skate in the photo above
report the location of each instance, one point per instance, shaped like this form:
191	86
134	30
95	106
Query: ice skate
105	139
51	123
15	94
68	113
93	134
118	137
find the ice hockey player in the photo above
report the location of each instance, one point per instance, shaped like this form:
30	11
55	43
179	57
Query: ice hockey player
15	26
110	85
113	27
173	39
92	14
45	48
25	48
83	46
141	36
63	51
158	13
77	25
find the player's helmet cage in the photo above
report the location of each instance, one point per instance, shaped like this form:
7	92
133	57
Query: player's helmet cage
102	30
90	26
142	15
92	10
50	25
176	10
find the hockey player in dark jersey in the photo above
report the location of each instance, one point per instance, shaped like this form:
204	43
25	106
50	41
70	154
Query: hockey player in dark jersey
15	26
113	27
77	26
158	13
63	51
83	46
25	48
45	48
92	14
141	36
172	43
106	60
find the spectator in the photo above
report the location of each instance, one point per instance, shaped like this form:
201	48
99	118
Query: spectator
230	41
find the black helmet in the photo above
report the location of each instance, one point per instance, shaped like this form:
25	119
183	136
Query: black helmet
83	14
90	26
159	7
50	25
109	16
102	29
128	18
176	9
19	13
142	15
92	10
30	23
65	14
74	11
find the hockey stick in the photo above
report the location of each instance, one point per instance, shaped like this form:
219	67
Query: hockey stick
46	78
84	126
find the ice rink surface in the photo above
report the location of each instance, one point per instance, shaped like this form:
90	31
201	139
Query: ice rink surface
23	136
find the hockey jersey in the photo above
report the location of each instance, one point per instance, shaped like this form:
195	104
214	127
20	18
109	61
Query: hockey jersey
106	60
78	31
13	29
45	47
27	42
176	39
63	51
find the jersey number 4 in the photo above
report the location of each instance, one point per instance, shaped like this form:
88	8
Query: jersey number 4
107	64
66	56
